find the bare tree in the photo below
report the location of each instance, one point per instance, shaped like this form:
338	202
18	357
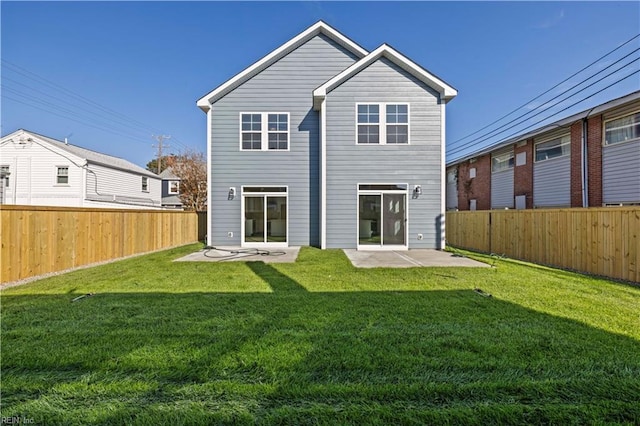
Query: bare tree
191	168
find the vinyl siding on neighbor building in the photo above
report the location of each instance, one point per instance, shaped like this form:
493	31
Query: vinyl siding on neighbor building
502	189
621	173
105	183
552	182
349	164
285	86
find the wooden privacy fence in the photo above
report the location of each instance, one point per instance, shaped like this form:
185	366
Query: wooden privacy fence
601	241
39	240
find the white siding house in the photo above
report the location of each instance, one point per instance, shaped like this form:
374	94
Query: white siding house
43	171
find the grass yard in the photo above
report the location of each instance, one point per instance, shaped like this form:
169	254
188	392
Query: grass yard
320	342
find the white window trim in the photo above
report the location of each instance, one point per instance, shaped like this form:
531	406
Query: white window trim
381	192
604	130
262	194
169	191
382	123
57	175
535	148
264	131
510	153
142	184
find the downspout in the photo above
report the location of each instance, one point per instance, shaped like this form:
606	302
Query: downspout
209	191
323	174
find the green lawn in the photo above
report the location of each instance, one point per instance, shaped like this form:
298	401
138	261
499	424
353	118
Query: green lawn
320	342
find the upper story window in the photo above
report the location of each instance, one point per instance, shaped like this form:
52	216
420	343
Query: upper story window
62	175
174	187
4	172
500	162
369	123
622	129
382	123
264	131
145	184
558	147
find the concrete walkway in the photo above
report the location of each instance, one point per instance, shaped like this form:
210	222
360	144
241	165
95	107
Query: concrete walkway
409	259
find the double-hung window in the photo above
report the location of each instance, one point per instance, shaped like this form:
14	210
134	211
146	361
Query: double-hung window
622	129
382	123
145	184
501	162
62	175
4	175
558	147
174	187
264	131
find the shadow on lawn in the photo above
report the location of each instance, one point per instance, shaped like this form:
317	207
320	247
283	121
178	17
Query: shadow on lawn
294	356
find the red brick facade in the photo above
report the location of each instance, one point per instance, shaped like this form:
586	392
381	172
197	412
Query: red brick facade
576	164
594	156
523	174
478	188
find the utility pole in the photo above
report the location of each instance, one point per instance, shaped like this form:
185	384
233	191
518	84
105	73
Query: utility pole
160	138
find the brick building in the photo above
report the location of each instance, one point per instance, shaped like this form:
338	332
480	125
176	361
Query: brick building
588	159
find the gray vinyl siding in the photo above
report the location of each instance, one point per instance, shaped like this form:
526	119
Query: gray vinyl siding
552	182
502	189
349	164
621	173
285	86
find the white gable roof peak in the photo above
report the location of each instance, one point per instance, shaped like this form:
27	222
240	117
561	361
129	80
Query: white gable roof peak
446	91
319	27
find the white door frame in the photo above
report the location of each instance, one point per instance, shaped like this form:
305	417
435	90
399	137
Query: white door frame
263	195
381	193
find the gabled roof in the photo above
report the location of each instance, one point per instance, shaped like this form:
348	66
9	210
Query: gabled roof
89	155
563	122
319	27
168	174
446	91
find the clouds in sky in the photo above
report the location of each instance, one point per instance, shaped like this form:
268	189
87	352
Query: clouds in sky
551	21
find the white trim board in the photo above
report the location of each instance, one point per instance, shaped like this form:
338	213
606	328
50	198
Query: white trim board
319	27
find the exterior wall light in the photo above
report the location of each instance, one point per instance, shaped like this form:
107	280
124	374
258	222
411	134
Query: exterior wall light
232	193
417	190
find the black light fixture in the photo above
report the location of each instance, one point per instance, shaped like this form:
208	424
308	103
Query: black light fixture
232	193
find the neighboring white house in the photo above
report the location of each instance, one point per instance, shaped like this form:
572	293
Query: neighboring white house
47	172
170	189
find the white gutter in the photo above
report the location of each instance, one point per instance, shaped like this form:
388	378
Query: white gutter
443	171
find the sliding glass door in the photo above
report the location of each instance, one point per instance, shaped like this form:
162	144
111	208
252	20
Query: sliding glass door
264	216
382	216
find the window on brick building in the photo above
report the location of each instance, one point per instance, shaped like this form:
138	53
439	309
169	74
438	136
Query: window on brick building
501	162
622	129
558	147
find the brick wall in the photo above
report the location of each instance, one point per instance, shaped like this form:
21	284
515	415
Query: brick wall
478	188
576	164
594	155
523	174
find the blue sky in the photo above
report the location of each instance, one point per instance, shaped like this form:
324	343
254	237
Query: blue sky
111	74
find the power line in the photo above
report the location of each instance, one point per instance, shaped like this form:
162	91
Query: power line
41	80
566	108
493	132
550	89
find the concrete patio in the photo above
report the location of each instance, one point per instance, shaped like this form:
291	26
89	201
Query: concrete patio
359	258
409	259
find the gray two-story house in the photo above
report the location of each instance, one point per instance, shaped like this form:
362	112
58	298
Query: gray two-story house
322	143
